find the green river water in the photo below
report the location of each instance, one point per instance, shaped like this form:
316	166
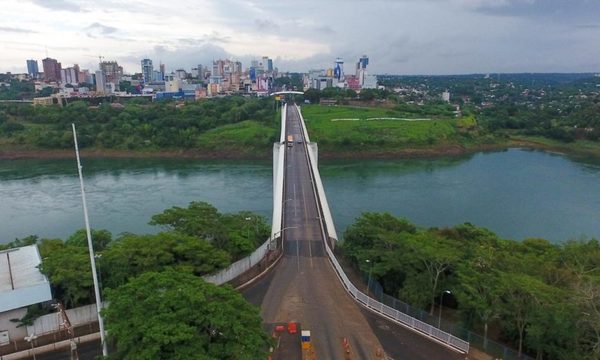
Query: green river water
516	193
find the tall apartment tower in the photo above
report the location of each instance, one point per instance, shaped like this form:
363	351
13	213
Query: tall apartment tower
100	82
338	70
51	69
361	69
32	68
147	70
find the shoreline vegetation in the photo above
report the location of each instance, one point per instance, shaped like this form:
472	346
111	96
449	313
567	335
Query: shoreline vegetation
237	128
431	151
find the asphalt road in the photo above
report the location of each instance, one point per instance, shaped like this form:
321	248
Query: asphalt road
304	287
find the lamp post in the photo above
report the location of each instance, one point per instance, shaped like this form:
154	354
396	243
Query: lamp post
369	280
90	249
248	228
442	302
274	236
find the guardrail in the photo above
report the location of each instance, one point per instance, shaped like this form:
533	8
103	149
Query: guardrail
239	267
362	298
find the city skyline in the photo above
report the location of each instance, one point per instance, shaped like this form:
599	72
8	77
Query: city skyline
405	36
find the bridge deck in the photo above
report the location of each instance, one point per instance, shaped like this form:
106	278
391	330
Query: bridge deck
304	287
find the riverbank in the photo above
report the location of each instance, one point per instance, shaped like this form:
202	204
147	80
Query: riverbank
577	150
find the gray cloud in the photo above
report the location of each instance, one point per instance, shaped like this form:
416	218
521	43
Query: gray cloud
65	5
97	30
266	25
562	10
16	30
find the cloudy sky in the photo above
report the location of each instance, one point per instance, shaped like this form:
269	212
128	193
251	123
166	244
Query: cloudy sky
399	36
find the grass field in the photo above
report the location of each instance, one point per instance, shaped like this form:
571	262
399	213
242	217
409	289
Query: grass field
332	134
244	138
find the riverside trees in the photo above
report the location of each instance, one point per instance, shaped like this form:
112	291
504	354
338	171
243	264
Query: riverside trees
160	307
542	297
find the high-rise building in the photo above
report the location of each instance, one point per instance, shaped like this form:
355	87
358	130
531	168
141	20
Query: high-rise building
161	68
361	69
100	82
112	71
51	69
362	62
147	70
32	68
70	75
338	70
270	65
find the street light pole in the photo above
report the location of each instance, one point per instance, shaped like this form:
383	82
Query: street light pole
248	228
369	280
441	303
91	250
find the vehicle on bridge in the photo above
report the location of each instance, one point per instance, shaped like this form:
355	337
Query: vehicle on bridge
290	140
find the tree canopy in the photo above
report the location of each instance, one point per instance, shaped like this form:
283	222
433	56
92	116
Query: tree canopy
542	297
176	315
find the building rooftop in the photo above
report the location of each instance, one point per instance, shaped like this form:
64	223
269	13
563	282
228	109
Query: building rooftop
21	282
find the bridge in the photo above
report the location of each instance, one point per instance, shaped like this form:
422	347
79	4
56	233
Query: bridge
309	286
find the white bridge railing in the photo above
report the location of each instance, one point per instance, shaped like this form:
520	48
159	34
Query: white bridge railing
239	267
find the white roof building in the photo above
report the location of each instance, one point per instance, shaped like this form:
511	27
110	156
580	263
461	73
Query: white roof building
21	282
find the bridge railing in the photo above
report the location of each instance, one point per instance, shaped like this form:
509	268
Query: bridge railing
395	314
241	266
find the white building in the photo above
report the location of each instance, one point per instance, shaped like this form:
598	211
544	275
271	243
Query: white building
446	96
100	82
21	284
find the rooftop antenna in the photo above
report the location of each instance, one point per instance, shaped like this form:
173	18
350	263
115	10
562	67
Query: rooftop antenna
91	249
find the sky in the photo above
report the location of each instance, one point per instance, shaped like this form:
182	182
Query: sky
399	36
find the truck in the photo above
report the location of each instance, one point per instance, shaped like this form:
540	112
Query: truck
290	140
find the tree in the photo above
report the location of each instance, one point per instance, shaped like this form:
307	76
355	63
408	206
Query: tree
68	269
433	258
174	315
521	295
100	239
132	255
237	234
478	290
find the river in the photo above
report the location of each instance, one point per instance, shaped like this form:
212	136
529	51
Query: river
515	193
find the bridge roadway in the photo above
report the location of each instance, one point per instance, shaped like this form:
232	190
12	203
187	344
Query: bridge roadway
304	287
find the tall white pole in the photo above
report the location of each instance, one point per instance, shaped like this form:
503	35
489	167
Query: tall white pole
91	249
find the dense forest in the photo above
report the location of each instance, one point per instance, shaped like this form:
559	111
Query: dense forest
541	297
138	125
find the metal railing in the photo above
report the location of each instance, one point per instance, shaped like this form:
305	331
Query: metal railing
475	340
239	267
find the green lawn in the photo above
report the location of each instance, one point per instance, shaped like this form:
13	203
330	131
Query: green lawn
247	137
326	126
